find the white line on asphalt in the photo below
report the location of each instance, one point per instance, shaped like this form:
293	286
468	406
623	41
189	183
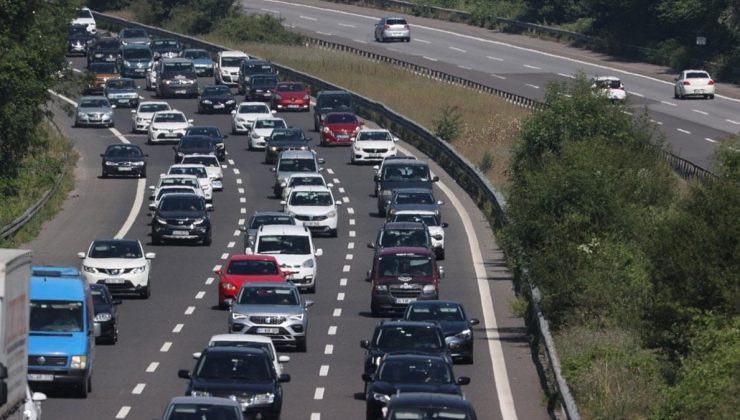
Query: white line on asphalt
315	416
423	41
76	70
332	330
62	97
345	269
178	328
348	257
190	310
336	181
350	210
138	199
341	190
271	11
458	49
429	58
681	130
215	268
337	312
732	122
640	95
240	222
236	171
318	394
240	190
532	86
351	222
351	245
123	412
138	389
152	367
346	25
324	370
330	171
359	41
352	234
166	347
225	256
242	199
230	244
243	210
532	67
237	232
200	294
465	67
239	181
313	19
340	296
231	162
342	282
668	103
498	77
699	111
329	349
656	122
323	33
627	113
490	57
569	76
710	140
345	199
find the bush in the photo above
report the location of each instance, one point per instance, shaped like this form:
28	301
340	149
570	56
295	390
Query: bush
449	124
486	162
256	28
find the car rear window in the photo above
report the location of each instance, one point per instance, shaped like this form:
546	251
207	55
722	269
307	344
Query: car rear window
396	21
697	75
252	268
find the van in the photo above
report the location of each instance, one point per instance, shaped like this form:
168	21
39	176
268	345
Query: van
61	345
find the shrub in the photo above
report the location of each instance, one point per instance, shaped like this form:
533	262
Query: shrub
448	125
486	162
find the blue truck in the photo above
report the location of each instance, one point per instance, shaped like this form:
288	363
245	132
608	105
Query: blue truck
61	345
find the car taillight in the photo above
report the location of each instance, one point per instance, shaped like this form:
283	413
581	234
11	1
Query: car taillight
686	83
710	82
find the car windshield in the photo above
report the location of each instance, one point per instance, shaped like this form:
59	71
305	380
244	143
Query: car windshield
263	81
409	337
216	90
268	296
77	30
405	173
224	365
247	344
697	75
253	68
254	109
165	43
180	203
170	117
103	68
137	53
269	124
202	411
153	107
252	268
341	119
297	165
232	61
123	151
435	312
290	87
427	413
107	45
173	190
203	131
133	33
403	237
84	13
196	144
180	181
284	244
121	84
282	135
56	316
94	103
335	101
311	198
115	249
178	67
258	221
374	136
427	219
195	54
414	198
405	265
99	296
198	171
209	161
305	180
417	372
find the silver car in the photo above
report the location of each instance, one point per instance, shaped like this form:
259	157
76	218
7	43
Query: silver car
392	28
260	218
275	310
94	111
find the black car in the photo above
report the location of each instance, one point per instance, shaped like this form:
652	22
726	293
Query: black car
243	374
422	405
401	173
104	49
400	336
330	101
78	40
401	373
106	313
217	98
193	145
456	326
401	234
165	48
285	139
260	87
124	159
215	135
250	67
182	217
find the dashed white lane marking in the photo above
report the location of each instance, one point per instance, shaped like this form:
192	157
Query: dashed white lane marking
324	370
315	416
243	210
732	122
464	67
336	181
123	412
348	257
152	367
342	282
656	122
345	199
318	395
699	111
360	41
668	103
329	349
337	312
324	33
639	95
200	294
270	11
532	86
458	49
178	328
239	181
240	190
190	310
423	41
345	269
237	232
242	199
346	25
76	70
236	171
138	389
312	19
240	222
231	162
230	244
225	256
710	140
490	57
62	97
340	297
569	76
350	210
165	347
498	77
351	222
429	58
341	190
532	67
330	171
681	130
351	245
215	268
352	233
332	330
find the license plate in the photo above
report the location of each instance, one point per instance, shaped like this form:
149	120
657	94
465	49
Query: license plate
114	281
405	301
699	90
268	330
310	223
219	106
39	377
94	119
343	136
140	70
181	92
180	233
375	155
170	134
293	106
124	168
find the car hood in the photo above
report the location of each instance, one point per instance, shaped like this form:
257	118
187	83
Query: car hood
124	158
290	259
169	125
252	278
311	210
116	91
424	207
292	95
396	279
114	262
223	385
391	388
214	172
138	61
130	41
94	110
251	117
221	98
101	76
392	185
263	132
202	61
287	143
180	214
79	37
268	309
374	144
60	343
342	126
196	151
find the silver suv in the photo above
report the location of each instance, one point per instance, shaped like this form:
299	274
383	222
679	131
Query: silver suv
291	162
274	310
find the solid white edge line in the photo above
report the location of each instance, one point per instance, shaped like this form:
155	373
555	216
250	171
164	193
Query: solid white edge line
138	199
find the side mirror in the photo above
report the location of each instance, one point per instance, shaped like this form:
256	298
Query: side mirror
273	169
366	377
133	111
441	271
284	377
243	228
463	380
376	168
151	188
365	344
190	121
38	397
183	373
330	185
396	139
440	203
376	178
321	161
371	245
117	302
174	148
435	178
438	237
152	206
283	184
473	321
283	203
102	155
217	271
196	355
113	106
233	112
283	359
319	252
445	224
80	255
97	330
273	112
150	255
209	207
338	202
308	303
369	276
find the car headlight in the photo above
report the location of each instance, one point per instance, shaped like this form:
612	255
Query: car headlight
273	148
88	269
308	263
139	163
137	270
298	317
167	82
381	288
80	115
127	63
195	393
464	334
78	362
261	399
139	119
206	101
381	397
428	288
109	163
326	130
241	120
228	286
236	315
199	221
103	317
230	101
332	213
160	221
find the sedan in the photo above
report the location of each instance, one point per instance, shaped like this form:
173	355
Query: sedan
456	326
261	130
200	172
215	135
141	117
94	111
106	314
122	92
285	139
124	159
193	145
372	145
120	264
291	96
251	341
339	128
413	199
392	28
301	179
240	269
263	218
202	408
314	207
168	126
217	98
246	113
161	192
201	60
694	83
133	36
610	87
213	168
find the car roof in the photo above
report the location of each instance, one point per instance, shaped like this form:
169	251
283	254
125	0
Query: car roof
92	97
226	349
176	60
253	338
376	130
305	175
333	92
429	399
180	195
187	165
232	53
199	155
404	162
420	211
135	47
606	78
403	225
341	113
154	103
294	230
414	357
436	303
178	176
170	111
252	103
315	188
204	400
416	250
286	285
411	190
252	257
270	213
392	323
295	154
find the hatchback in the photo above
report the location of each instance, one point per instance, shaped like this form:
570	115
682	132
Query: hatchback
392	28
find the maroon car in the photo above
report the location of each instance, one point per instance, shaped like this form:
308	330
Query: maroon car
290	96
339	128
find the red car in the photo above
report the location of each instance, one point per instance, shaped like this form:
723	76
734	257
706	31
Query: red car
240	269
290	96
339	128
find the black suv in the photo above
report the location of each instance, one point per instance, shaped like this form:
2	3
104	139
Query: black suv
124	159
401	173
260	87
216	137
401	234
425	405
182	217
329	101
193	145
217	98
104	49
78	39
251	67
243	374
176	77
285	139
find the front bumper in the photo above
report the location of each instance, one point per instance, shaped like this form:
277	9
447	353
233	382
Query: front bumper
104	121
285	334
372	155
179	90
166	135
242	126
122	283
229	79
61	376
324	225
131	102
337	139
77	49
141	125
183	233
289	105
215	107
257	142
124	169
386	303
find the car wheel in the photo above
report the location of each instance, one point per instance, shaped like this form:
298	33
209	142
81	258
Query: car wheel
146	292
370	413
277	193
374	311
207	240
142	174
104	175
156	239
441	255
333	233
302	345
711	96
408	39
111	125
84	388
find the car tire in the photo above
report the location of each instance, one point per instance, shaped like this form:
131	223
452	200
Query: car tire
104	175
84	388
374	311
146	292
408	39
207	240
369	413
156	239
711	96
111	125
302	345
441	255
142	174
333	233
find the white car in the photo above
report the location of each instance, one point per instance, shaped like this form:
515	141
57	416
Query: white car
292	246
435	227
227	67
168	126
609	86
694	83
298	179
314	207
173	189
213	168
372	145
141	117
261	129
151	77
251	341
85	18
175	181
120	264
245	114
200	172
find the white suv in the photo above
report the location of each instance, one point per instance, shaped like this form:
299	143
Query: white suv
199	171
120	264
227	67
168	126
293	248
372	145
314	207
85	18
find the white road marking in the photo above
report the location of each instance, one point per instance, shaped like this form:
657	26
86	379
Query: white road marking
636	94
178	328
656	122
350	210
336	181
152	367
231	162
710	140
332	330
532	67
243	210
215	268
76	70
240	222
627	113
342	282
225	256
237	232
330	171
668	103
458	49
490	57
698	111
498	77
345	269
732	122
359	41
681	130
341	190
329	349
315	416
352	234
138	389
348	257
351	222
318	395
224	166
345	199
423	41
236	171
340	296
429	58
324	370
200	294
230	244
337	312
346	25
392	49
465	67
323	33
62	97
351	245
239	181
532	86
240	190
166	347
569	76
190	310
312	19
242	200
123	412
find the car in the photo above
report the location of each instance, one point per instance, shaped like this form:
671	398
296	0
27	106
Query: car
401	275
392	28
610	87
176	77
193	145
79	40
243	116
283	139
339	128
252	341
167	126
693	83
201	60
106	315
240	269
260	87
261	129
104	50
378	169
85	19
293	247
290	162
451	317
217	98
424	405
120	264
330	101
172	189
251	67
315	208
242	374
200	172
291	96
372	145
182	217
227	67
94	111
300	179
180	408
165	48
166	181
142	116
122	92
400	373
406	234
274	310
32	406
413	199
401	173
134	36
214	134
135	60
151	76
260	218
213	168
124	159
100	73
433	224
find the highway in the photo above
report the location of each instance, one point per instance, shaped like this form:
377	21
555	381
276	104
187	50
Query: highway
521	65
135	378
